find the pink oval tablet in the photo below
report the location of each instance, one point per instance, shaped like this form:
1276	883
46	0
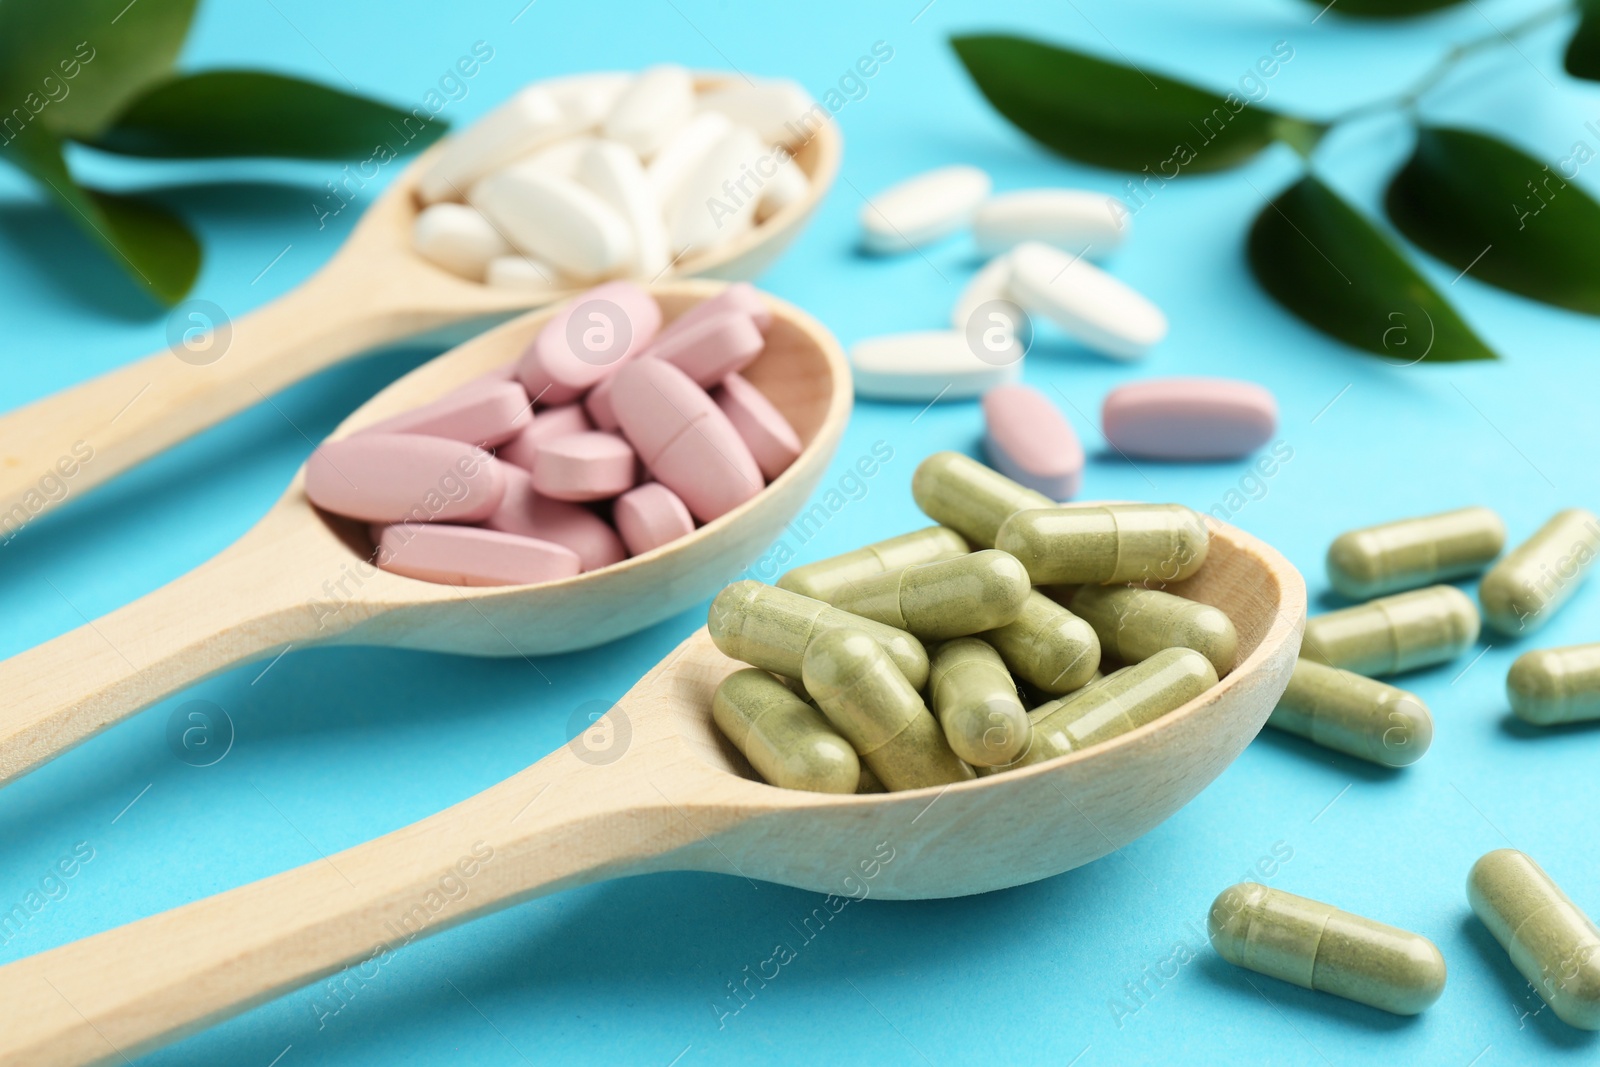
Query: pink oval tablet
740	296
1029	441
598	404
394	477
527	514
547	425
771	439
651	516
583	466
466	555
712	348
1189	418
684	438
485	412
587	341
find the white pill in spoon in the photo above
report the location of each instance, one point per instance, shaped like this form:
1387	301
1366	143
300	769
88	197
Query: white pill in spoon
652	109
612	170
531	118
556	220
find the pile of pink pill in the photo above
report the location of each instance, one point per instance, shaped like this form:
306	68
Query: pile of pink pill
612	435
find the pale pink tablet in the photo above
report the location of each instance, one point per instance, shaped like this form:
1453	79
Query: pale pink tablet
1189	418
584	466
524	512
740	296
598	404
684	438
650	516
395	477
485	412
467	555
547	425
588	340
771	439
712	348
1029	441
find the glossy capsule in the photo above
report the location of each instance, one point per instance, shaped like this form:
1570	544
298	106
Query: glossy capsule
870	702
1394	633
1316	946
785	739
1550	941
1106	545
968	497
1354	714
822	579
1552	685
1134	623
976	702
771	628
1047	646
1524	589
1411	553
951	598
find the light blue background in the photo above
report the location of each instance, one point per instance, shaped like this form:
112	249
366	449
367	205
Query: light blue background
335	747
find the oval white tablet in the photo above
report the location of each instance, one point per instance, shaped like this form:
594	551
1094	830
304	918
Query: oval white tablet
923	209
515	128
586	99
521	272
457	238
651	109
556	220
683	152
1071	219
611	170
779	111
717	202
934	364
1097	310
993	282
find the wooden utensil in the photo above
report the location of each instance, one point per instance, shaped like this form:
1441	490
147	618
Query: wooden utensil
375	290
658	790
300	576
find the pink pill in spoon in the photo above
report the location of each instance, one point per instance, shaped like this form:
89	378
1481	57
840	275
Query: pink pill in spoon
1030	441
547	425
1189	418
712	348
584	466
393	477
587	340
771	439
650	516
467	555
524	512
740	296
485	412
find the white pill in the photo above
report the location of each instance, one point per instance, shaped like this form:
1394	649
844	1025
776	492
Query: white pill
651	109
556	220
559	157
682	154
586	99
711	207
610	169
457	238
1099	311
923	209
515	128
526	274
924	366
993	282
788	185
779	111
1071	219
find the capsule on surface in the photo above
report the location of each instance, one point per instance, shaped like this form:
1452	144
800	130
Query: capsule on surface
1551	685
1411	553
951	598
1394	633
1524	589
1317	946
870	702
976	702
1048	646
968	497
1550	941
1354	714
1134	623
1107	545
785	739
822	579
770	628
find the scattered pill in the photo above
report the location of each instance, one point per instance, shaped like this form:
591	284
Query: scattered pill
1048	646
391	477
976	703
928	365
467	555
650	110
524	512
1409	553
948	598
823	579
1552	685
1354	714
584	467
992	282
770	438
920	210
587	340
1394	633
1134	623
547	425
1110	544
786	740
1189	418
556	220
712	348
1073	220
1094	308
1530	584
486	413
459	239
968	497
531	118
1029	441
650	516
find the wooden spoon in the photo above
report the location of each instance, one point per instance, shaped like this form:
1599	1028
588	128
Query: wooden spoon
375	290
300	576
654	787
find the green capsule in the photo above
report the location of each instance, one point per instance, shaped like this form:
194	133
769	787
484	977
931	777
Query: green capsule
785	739
976	702
1107	545
822	579
1524	589
1394	633
1316	946
869	782
1552	685
771	628
1411	553
1354	714
1549	940
951	598
1048	646
1134	623
869	701
968	497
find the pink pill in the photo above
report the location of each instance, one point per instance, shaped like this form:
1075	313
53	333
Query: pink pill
485	412
740	296
524	512
685	439
587	341
1189	418
651	516
583	466
547	425
1029	441
598	404
772	441
393	477
466	555
712	348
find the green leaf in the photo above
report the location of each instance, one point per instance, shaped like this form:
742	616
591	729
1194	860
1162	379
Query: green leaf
1583	51
1384	9
71	64
1326	263
253	113
1485	207
1116	116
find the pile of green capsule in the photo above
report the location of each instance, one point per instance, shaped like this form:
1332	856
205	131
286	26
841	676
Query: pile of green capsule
915	661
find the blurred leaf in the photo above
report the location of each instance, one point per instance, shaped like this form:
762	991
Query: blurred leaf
1326	263
1476	202
252	113
1116	116
1583	51
1384	9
